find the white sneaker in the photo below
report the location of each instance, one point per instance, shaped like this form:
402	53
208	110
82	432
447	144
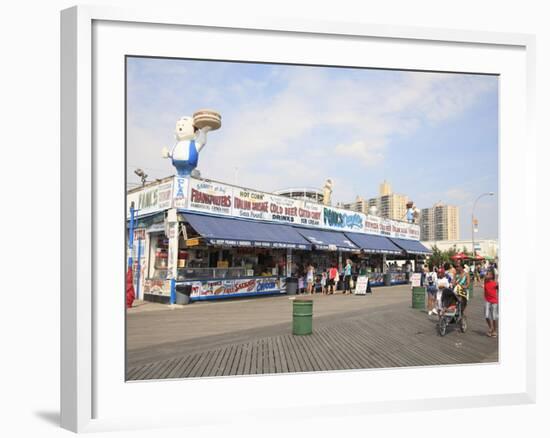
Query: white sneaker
430	312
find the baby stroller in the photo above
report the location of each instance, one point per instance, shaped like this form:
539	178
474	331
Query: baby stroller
451	310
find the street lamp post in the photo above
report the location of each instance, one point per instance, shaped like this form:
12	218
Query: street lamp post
473	209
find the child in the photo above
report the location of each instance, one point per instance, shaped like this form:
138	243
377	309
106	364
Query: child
491	303
301	284
324	282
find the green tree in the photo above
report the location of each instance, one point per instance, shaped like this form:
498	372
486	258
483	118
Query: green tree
439	257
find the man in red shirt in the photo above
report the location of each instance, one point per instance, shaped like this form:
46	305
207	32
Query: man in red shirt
491	303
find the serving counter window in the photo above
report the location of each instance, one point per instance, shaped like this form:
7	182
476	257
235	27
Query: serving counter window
213	273
221	272
158	256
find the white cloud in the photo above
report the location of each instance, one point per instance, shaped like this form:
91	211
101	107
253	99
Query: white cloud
305	126
369	154
458	195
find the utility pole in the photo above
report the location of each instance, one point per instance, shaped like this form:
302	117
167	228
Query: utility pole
473	218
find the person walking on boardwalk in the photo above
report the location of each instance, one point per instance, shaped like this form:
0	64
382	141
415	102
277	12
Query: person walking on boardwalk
300	280
309	278
430	280
324	283
347	276
332	278
491	303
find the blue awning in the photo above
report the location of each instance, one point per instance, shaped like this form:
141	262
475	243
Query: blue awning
411	246
330	240
374	244
236	232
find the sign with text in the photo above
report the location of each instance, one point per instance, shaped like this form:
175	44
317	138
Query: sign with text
219	198
237	286
416	279
361	285
150	199
181	191
343	220
216	198
210	197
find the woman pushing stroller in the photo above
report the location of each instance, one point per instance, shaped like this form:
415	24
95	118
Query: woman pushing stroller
461	286
452	302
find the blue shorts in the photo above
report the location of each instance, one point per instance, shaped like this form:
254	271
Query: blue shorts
432	290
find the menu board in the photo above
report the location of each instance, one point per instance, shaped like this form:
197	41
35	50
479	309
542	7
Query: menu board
361	285
416	279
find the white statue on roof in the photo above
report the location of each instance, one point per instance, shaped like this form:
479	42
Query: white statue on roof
327	191
190	136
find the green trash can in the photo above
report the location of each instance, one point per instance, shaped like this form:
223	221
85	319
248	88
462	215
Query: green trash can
302	316
419	298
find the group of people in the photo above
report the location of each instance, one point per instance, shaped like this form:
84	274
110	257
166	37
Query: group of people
459	278
328	279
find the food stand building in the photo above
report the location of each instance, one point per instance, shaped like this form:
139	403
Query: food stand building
227	241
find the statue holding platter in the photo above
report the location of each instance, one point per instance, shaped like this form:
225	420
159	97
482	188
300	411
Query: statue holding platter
190	139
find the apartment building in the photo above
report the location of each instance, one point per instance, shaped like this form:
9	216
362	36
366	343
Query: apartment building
440	222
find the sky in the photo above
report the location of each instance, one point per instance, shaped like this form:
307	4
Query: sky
432	136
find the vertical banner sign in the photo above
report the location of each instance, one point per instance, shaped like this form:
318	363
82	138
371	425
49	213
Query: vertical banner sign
181	189
172	250
288	262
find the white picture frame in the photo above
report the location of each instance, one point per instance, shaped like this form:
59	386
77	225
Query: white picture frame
86	374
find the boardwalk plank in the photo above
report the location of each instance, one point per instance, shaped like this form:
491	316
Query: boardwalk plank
290	359
220	364
179	370
282	355
200	365
229	362
236	360
248	359
212	363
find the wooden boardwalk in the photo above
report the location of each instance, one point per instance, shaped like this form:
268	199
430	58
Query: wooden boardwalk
388	336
